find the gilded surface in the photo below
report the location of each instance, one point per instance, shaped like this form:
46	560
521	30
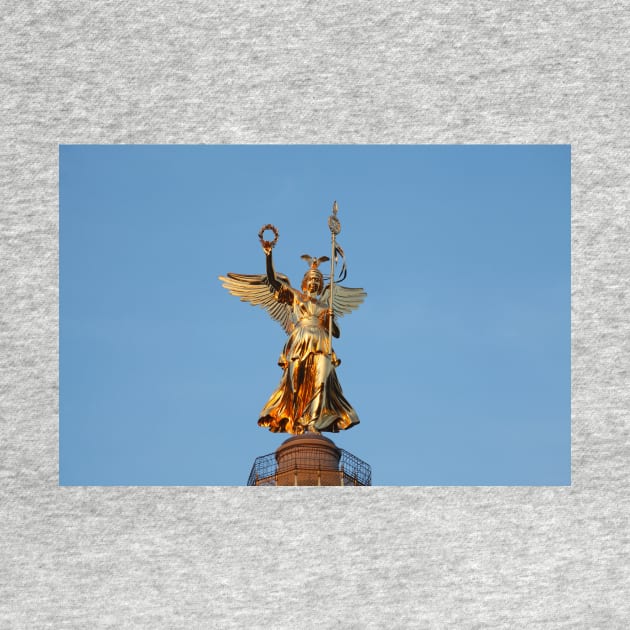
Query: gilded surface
309	396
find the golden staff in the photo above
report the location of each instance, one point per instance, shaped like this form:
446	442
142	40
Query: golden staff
335	227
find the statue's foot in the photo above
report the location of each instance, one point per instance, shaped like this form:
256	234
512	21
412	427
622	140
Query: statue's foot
311	428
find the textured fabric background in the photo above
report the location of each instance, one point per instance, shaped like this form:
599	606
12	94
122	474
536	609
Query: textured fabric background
325	72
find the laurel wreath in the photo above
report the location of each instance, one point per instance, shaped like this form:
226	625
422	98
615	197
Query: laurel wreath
263	242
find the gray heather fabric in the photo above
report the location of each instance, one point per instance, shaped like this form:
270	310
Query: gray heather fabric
325	72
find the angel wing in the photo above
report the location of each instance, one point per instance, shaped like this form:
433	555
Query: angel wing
257	290
345	299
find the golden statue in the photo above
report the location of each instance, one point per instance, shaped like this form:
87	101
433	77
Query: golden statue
309	397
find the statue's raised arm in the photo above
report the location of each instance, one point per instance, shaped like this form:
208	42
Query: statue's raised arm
270	291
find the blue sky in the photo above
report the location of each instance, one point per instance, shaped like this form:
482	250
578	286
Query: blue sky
458	362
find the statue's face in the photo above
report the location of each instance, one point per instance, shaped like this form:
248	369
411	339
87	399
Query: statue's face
312	285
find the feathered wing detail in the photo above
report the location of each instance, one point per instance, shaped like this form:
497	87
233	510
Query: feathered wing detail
257	290
345	299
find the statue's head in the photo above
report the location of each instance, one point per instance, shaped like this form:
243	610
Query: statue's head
313	281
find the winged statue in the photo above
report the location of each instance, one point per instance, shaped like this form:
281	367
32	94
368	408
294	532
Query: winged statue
309	397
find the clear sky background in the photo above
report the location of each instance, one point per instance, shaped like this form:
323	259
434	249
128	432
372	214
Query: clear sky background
458	362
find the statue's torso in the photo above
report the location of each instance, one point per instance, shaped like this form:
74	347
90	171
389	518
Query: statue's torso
309	335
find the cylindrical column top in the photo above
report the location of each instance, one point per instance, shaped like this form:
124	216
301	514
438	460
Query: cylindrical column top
310	451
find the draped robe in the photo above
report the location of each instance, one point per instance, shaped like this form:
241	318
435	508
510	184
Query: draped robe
309	394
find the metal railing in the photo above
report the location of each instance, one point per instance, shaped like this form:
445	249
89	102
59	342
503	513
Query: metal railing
352	471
